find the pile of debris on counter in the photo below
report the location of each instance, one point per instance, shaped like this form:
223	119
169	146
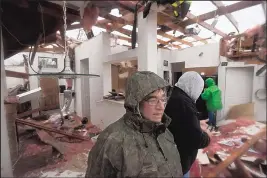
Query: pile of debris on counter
52	143
237	149
114	96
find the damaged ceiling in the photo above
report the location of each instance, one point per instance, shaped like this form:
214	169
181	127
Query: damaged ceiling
116	17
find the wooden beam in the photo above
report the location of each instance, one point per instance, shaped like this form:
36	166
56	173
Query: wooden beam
228	9
206	25
236	154
164	19
29	123
229	16
174	38
10	73
128	32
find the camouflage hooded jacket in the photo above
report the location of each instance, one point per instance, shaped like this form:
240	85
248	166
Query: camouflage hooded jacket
134	146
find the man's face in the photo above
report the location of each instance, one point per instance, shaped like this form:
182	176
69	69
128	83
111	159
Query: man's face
153	106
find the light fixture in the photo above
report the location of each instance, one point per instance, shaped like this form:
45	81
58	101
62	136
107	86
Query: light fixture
202	73
67	72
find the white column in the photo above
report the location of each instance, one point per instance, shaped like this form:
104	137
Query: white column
147	40
6	167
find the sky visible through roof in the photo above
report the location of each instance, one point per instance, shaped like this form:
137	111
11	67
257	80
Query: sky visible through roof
246	18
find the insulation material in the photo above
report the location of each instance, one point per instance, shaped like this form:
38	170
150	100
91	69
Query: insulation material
50	92
242	110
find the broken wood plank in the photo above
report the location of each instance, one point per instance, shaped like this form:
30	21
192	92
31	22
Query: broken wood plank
20	121
35	110
236	154
242	169
10	73
48	139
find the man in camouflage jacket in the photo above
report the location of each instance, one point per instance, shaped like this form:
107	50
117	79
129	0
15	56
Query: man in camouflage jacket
139	144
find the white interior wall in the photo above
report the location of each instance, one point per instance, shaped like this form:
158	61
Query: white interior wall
118	49
164	54
258	83
260	105
11	81
210	57
102	112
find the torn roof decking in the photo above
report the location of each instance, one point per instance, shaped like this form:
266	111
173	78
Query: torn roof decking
20	35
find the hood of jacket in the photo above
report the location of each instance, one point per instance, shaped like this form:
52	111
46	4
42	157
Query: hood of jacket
138	86
209	82
192	84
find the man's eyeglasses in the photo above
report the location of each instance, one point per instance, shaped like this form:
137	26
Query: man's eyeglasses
155	101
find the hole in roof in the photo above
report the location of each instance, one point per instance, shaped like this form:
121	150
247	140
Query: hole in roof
115	12
201	7
249	17
163	38
171	47
129	27
228	3
183	46
176	43
177	33
189	39
225	25
75	23
197	43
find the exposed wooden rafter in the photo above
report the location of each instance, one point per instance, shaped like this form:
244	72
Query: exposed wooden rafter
228	9
206	25
229	16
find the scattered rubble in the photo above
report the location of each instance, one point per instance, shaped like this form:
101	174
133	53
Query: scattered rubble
50	154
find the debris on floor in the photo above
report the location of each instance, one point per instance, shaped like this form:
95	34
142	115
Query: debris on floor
232	135
46	151
66	173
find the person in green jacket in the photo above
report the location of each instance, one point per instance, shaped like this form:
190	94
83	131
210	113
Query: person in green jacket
212	96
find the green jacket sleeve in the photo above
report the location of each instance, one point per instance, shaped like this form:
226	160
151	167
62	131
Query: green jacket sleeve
206	94
104	159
